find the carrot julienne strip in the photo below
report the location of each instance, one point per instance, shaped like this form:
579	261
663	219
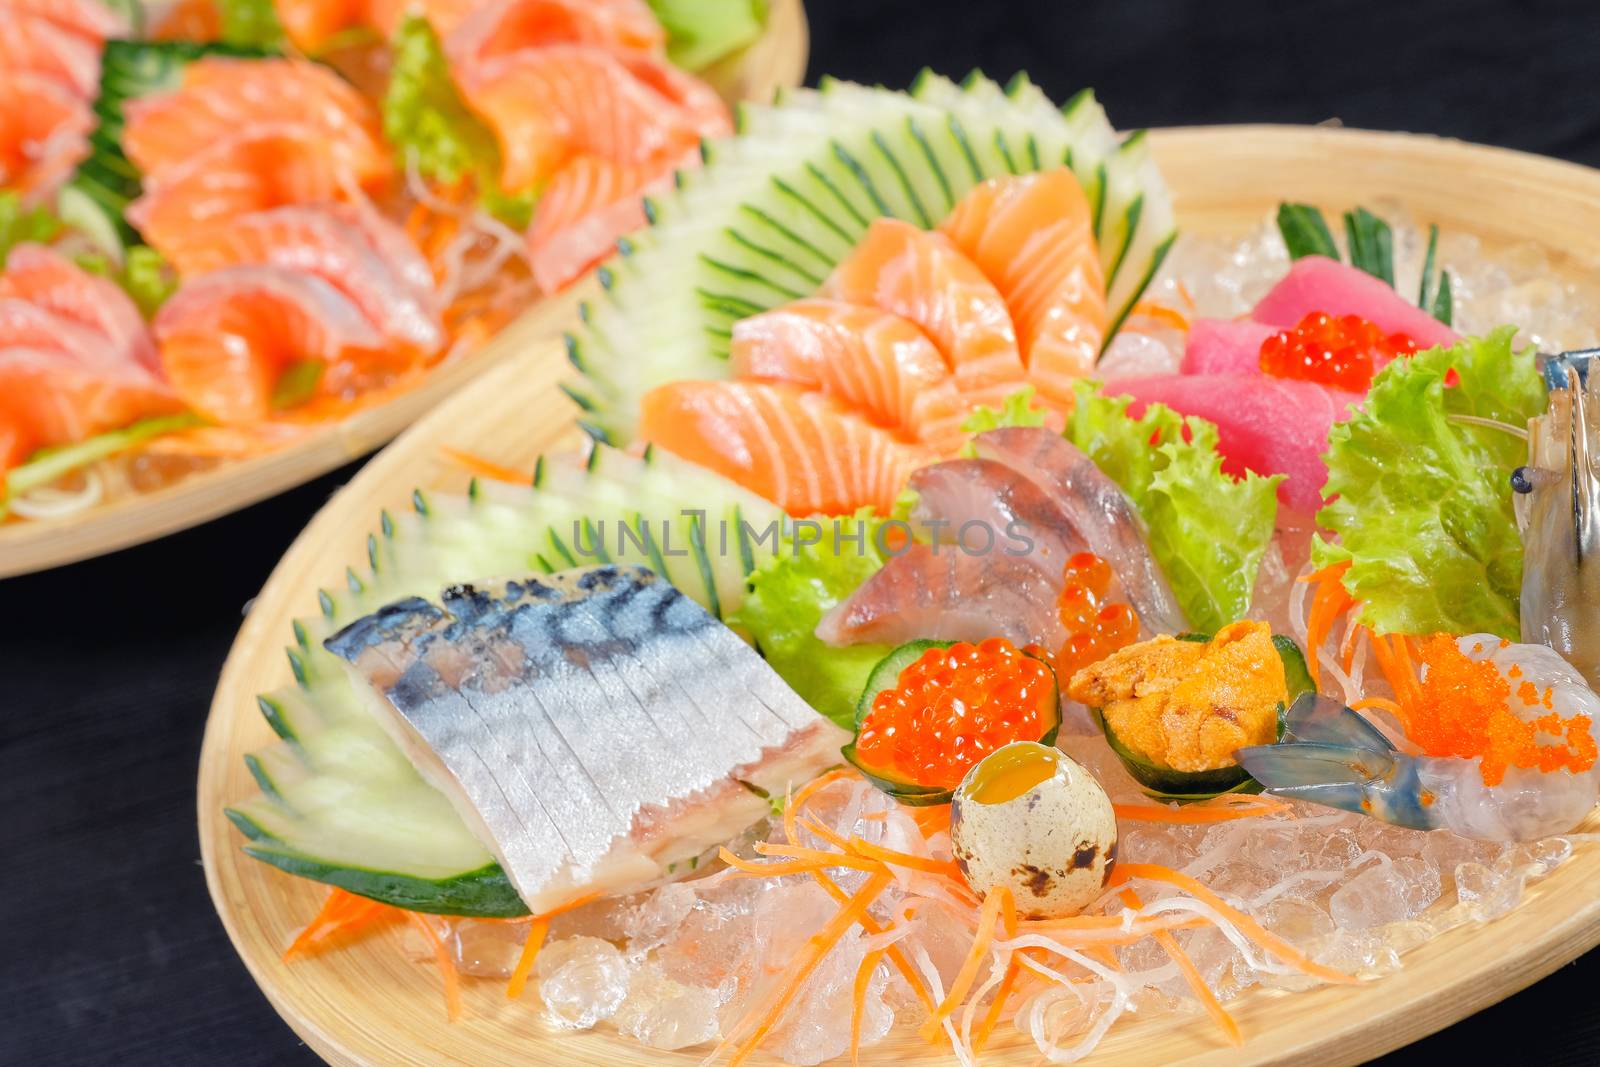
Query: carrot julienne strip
536	935
858	1002
816	855
1193	814
867	849
774	869
1249	927
484	467
342	912
988	918
817	948
1192	975
447	966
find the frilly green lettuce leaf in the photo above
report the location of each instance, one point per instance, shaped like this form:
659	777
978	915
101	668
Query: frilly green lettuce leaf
425	118
789	595
250	22
1423	507
20	224
1017	410
1206	529
700	32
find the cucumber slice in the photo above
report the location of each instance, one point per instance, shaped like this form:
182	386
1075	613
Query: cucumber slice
1184	787
92	218
886	675
777	207
339	803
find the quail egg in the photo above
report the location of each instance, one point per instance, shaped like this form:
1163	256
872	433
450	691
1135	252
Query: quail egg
1028	817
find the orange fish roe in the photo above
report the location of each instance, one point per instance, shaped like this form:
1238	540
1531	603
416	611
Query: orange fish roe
953	707
1095	628
1461	709
1340	352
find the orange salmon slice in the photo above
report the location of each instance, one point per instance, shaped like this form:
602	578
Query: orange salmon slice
44	129
922	277
222	96
879	364
48	397
1033	237
227	337
90	19
32	42
498	29
551	104
49	281
802	450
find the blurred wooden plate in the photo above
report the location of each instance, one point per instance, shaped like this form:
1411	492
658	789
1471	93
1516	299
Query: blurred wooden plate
777	60
369	1005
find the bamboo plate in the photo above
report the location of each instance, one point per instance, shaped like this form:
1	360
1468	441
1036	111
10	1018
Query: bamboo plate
777	60
370	1005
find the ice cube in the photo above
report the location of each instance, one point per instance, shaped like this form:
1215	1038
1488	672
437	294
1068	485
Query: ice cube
1487	893
1375	897
661	1013
1299	921
488	948
1421	884
582	981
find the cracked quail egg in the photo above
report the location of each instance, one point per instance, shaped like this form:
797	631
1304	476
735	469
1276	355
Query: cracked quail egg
1028	817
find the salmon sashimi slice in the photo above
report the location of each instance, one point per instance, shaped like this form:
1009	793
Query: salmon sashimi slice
44	132
50	281
445	16
227	337
923	277
585	207
878	363
34	43
254	171
310	24
91	19
49	397
27	325
1097	508
221	96
332	242
803	451
939	592
548	105
1033	237
506	26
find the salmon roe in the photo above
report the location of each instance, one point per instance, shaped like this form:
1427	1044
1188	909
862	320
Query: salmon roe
1462	708
1342	352
1095	627
954	706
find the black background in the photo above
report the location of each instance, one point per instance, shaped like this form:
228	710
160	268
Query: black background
109	949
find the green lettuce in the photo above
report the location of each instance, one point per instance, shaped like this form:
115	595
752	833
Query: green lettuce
1423	510
789	595
425	118
700	32
19	224
250	22
145	275
1017	410
1205	528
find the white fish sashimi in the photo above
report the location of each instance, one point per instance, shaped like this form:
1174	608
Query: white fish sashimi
593	728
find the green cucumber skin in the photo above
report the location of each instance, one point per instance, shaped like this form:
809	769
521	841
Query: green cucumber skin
885	676
1188	787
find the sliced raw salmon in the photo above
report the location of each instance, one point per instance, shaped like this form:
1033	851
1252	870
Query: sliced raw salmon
445	16
879	364
44	130
585	206
221	97
923	277
49	281
549	105
26	324
48	397
90	19
309	24
227	337
496	29
1033	237
253	171
335	243
34	43
804	451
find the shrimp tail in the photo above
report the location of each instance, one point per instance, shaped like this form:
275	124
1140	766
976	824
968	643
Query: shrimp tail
1332	756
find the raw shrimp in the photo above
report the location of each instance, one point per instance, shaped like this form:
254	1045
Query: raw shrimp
1561	537
1480	772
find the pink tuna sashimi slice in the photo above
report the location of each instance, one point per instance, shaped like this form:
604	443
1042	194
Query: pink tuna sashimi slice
1317	283
1225	346
1264	424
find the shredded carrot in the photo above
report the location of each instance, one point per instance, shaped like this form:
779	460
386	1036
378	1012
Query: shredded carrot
817	948
1249	927
775	869
1167	316
483	467
342	913
932	819
988	917
1379	702
818	856
858	1004
796	801
1191	974
1008	923
530	952
447	966
1330	601
867	849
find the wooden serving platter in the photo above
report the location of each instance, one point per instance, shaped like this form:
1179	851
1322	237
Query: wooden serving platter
369	1005
775	61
